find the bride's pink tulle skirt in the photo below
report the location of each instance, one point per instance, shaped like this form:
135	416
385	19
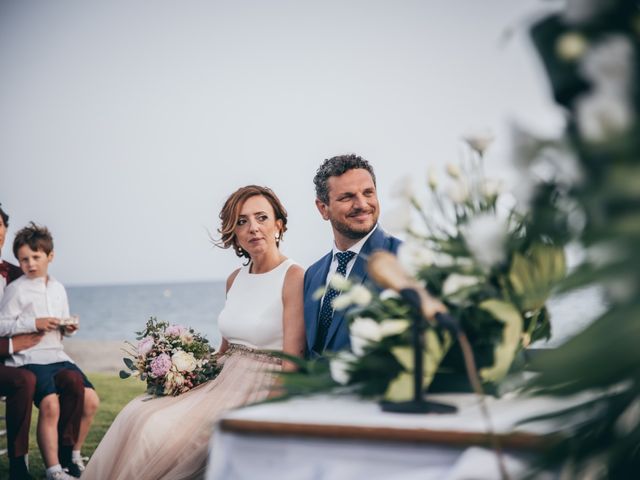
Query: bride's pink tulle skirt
168	437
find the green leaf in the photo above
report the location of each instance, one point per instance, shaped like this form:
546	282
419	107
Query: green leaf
505	351
124	374
401	388
129	363
533	275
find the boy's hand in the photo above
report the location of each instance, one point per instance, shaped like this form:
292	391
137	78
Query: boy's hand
70	329
24	341
46	324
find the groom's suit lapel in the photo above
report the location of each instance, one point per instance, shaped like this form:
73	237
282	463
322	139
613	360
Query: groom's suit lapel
357	275
312	306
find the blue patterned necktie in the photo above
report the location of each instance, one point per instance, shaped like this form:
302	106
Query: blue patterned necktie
326	311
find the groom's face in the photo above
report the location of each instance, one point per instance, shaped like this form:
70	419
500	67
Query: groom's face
353	208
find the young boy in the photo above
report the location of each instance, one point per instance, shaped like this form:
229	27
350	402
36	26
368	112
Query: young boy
37	295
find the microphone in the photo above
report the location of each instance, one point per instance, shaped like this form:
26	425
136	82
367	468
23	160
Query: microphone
388	273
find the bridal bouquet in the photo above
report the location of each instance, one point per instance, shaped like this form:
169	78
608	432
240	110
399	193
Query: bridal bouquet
172	359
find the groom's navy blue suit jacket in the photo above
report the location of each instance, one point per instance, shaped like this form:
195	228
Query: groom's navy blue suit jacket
315	277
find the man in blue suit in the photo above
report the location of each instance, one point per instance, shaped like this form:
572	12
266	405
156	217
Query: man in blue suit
346	197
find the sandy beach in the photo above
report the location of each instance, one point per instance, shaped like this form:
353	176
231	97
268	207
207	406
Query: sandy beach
103	356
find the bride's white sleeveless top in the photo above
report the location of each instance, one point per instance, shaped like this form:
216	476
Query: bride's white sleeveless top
252	315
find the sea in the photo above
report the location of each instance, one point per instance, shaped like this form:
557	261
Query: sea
117	312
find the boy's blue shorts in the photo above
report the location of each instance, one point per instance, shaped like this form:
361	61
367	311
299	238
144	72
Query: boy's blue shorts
45	378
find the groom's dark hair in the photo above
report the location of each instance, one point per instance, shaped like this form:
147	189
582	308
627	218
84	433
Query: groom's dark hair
334	167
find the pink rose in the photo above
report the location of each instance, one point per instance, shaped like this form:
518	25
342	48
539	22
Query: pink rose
144	346
175	330
160	365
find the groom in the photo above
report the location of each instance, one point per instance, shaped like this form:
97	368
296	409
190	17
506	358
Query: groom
346	197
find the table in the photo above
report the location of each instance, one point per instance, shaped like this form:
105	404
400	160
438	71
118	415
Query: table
333	437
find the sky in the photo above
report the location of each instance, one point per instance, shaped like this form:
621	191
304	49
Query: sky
124	125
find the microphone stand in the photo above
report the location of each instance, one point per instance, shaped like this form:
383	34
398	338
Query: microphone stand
418	404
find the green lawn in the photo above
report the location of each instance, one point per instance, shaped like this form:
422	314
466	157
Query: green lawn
114	394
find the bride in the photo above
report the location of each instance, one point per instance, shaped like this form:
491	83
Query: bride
168	437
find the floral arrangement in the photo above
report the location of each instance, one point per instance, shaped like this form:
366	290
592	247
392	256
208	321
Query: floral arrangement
470	246
172	359
591	54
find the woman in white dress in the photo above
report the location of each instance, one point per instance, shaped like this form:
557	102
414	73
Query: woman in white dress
167	438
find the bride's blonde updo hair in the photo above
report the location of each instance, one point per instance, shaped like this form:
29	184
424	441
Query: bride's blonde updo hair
231	212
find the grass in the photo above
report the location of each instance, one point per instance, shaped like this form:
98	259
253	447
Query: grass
114	394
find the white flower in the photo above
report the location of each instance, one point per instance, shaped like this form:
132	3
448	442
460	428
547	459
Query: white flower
479	141
456	282
458	192
388	293
432	178
364	331
491	188
629	420
358	344
360	295
183	361
340	282
145	346
486	235
413	256
453	170
581	11
389	328
570	46
173	381
403	188
339	367
609	65
443	260
342	301
186	337
398	219
601	115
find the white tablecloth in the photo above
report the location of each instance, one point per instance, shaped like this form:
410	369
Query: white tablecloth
291	455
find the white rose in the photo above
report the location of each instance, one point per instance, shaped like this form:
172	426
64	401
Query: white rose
339	367
183	361
360	295
456	282
186	337
339	282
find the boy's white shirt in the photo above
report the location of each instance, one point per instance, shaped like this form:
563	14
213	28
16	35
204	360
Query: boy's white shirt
23	301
